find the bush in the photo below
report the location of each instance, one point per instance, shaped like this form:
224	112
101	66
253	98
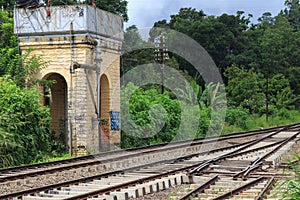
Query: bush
24	125
283	113
237	116
148	117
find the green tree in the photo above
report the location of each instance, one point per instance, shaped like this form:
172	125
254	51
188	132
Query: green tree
245	88
221	36
292	12
280	92
8	44
135	51
24	125
118	7
149	109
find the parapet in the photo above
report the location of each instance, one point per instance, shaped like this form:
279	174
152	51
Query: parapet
58	20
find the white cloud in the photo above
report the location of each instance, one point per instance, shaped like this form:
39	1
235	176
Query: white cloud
144	13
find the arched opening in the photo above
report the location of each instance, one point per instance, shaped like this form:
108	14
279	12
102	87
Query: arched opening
104	110
55	96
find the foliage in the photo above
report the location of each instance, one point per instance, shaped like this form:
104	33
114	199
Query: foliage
161	118
237	116
23	124
155	117
221	36
247	88
57	145
118	7
280	92
290	189
255	122
8	44
292	12
21	68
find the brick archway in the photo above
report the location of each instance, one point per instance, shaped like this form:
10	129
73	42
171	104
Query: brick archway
55	96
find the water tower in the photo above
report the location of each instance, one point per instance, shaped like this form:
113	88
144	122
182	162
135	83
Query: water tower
82	46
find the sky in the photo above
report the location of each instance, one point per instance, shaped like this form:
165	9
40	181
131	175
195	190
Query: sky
143	13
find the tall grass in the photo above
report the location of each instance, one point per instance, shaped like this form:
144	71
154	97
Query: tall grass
254	122
290	189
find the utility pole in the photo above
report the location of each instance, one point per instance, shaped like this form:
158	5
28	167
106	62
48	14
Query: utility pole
161	55
267	94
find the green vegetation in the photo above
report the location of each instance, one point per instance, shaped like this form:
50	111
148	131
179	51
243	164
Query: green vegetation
259	64
23	125
118	7
255	121
290	189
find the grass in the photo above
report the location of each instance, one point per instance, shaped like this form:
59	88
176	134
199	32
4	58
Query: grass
255	122
54	157
290	189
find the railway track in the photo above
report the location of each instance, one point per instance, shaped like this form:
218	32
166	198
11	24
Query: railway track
150	171
109	157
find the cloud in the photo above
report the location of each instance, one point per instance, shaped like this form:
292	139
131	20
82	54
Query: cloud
144	13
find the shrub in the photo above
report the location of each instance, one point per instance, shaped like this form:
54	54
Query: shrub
237	116
24	125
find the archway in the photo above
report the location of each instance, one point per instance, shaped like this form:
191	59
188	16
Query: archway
104	110
55	96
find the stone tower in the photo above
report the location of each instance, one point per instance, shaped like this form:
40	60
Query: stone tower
82	46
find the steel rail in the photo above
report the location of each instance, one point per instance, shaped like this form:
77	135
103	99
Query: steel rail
93	160
245	173
270	184
236	152
102	175
68	183
239	189
83	158
200	189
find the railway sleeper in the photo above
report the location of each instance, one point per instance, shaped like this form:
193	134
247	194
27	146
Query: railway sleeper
150	187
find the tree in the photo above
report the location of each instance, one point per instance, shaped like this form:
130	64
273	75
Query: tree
8	6
292	13
8	44
280	92
118	7
245	88
279	46
221	36
149	110
24	125
266	19
135	51
132	39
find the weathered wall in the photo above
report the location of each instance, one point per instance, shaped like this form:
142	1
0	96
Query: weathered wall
49	38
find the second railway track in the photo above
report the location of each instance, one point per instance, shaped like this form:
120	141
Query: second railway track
149	172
